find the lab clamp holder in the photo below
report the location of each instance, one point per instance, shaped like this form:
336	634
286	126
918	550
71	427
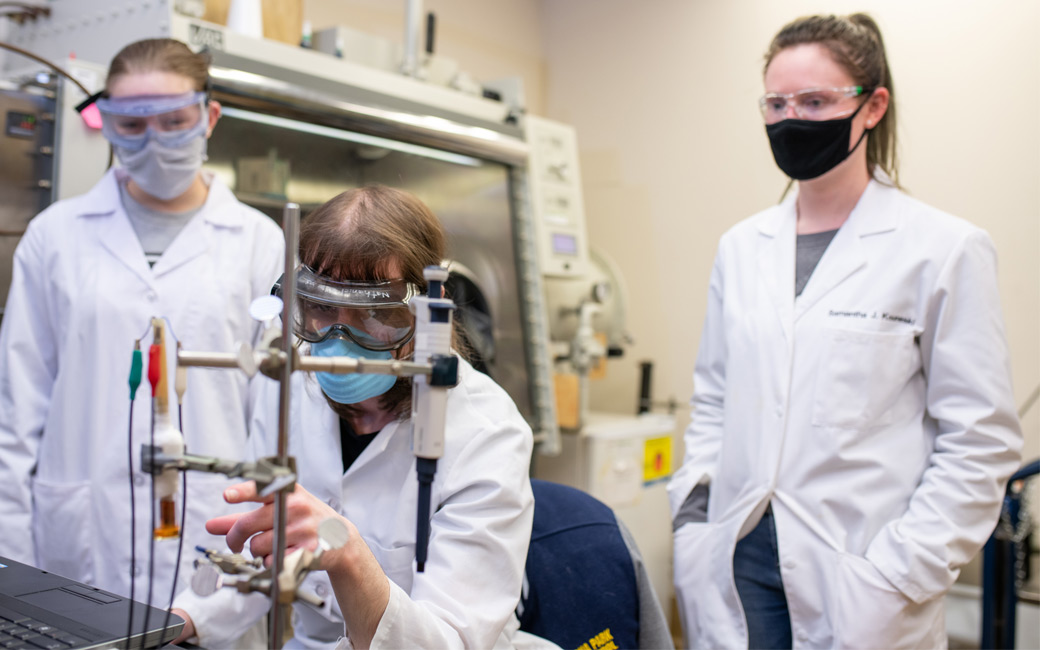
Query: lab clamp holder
434	370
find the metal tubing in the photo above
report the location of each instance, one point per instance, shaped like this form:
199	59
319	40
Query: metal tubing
413	18
252	92
337	365
207	359
290	224
349	365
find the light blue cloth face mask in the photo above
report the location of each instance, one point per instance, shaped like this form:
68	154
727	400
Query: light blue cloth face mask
354	388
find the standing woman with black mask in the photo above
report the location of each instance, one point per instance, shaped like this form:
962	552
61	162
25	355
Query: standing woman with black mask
853	423
156	237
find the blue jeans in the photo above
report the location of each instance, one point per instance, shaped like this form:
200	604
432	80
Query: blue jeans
756	569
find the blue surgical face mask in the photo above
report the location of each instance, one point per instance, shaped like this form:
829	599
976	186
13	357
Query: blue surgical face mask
354	388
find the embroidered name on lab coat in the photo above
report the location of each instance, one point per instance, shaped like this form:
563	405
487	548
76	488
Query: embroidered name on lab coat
877	315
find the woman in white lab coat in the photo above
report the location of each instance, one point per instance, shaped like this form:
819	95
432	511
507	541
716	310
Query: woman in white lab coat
853	424
363	255
156	237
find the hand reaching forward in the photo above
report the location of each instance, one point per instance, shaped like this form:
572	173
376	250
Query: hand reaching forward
304	512
361	587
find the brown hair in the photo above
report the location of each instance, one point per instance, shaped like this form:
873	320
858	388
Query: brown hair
163	55
358	235
856	45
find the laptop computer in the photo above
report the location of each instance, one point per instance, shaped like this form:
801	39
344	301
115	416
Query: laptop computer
39	609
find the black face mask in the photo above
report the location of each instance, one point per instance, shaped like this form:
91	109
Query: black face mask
805	149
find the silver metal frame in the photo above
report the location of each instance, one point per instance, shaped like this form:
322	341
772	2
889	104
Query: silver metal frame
439	132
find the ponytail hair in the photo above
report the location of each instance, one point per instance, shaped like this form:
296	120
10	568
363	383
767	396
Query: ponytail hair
855	43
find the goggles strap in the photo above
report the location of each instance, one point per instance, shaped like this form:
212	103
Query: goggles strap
82	106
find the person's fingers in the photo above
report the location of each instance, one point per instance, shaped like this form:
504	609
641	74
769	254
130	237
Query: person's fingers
303	515
222	524
245	491
269	559
246	525
262	544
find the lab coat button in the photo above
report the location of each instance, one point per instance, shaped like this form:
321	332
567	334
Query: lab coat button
321	590
803	637
790	564
138	569
138	480
151	295
779	411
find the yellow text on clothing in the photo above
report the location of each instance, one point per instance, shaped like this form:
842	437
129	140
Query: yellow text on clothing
602	641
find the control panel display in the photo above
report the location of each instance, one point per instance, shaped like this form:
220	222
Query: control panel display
564	244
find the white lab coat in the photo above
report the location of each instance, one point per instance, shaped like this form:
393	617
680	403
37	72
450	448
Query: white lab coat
874	412
81	294
479	532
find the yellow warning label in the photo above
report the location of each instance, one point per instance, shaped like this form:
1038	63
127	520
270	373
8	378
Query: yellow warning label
657	459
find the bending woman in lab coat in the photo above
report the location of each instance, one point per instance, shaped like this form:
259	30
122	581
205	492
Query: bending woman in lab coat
352	439
155	237
853	424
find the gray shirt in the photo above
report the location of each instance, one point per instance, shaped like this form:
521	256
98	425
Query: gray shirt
156	230
809	250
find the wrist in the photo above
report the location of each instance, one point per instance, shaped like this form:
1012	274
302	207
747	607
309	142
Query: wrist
189	626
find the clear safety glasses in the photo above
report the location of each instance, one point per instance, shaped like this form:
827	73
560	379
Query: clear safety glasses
808	104
173	120
374	315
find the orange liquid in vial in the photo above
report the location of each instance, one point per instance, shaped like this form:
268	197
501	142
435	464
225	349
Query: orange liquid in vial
167	527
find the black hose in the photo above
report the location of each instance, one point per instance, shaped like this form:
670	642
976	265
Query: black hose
426	468
645	396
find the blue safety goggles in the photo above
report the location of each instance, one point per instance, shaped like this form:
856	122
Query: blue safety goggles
172	120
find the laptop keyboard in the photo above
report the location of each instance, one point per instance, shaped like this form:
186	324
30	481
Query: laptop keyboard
17	631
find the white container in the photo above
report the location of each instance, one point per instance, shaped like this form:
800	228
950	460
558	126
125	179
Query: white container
609	457
246	17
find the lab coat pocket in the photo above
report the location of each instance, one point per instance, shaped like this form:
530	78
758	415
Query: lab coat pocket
861	376
396	563
703	584
63	528
871	613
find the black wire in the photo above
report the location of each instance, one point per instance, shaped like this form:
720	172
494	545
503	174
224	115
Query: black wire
133	524
151	540
180	539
